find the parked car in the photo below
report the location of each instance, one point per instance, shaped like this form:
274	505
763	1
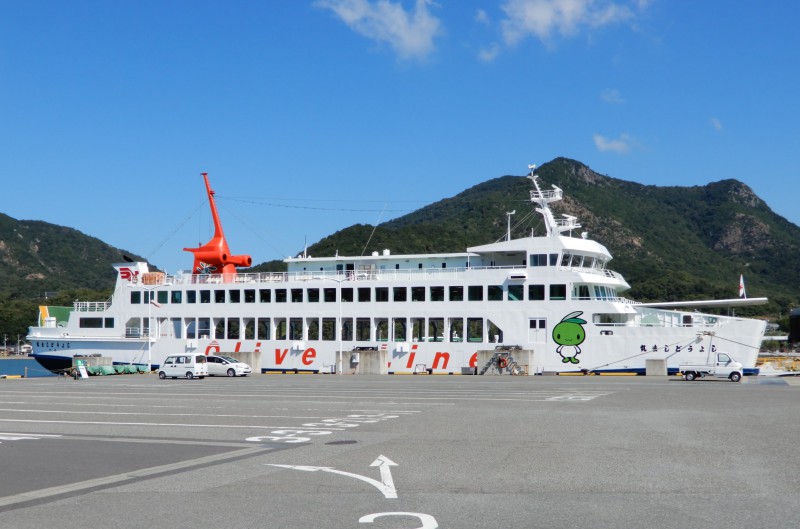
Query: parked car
221	365
188	366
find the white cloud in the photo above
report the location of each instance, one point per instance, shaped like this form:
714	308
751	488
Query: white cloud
716	123
490	53
622	145
482	17
409	33
612	95
543	18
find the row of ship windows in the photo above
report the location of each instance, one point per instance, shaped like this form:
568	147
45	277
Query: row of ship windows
353	329
367	294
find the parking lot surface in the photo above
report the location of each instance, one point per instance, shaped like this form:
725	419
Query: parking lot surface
327	451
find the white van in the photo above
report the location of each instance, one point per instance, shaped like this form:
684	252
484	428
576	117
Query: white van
188	366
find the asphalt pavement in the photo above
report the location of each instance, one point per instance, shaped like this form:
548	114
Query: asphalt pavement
338	451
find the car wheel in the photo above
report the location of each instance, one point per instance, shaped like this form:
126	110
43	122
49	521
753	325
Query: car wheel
735	377
189	375
689	376
231	372
162	375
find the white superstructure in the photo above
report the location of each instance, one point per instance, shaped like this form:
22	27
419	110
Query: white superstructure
552	294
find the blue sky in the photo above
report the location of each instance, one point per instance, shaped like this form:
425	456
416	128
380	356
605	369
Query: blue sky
313	115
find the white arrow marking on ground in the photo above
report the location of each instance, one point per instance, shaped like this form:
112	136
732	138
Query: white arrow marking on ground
386	486
385	464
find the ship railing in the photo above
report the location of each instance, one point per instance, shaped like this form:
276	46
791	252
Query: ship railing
592	270
91	306
136	332
338	276
550	194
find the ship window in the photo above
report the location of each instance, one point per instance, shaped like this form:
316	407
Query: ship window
191	296
329	329
280	296
219	328
553	259
250	296
91	323
364	294
108	323
264	295
381	294
400	329
347	328
313	328
347	295
219	296
436	329
456	330
456	293
362	329
312	295
558	292
249	328
263	329
234	296
475	329
495	332
204	328
280	328
381	329
417	329
495	293
565	259
475	293
538	259
297	295
177	296
400	293
295	328
516	292
581	292
205	296
163	296
535	292
233	328
191	328
136	297
417	293
437	293
329	295
397	266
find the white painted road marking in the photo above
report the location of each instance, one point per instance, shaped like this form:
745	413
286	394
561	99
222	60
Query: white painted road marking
428	521
386	486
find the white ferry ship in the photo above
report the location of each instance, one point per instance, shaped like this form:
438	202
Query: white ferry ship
552	294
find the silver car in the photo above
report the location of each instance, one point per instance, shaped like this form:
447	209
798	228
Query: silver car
220	365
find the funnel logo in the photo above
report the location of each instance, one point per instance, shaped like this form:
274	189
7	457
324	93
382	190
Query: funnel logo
127	274
205	268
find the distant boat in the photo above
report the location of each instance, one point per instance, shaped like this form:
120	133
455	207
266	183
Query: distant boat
552	294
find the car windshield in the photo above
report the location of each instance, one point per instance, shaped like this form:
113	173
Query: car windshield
229	359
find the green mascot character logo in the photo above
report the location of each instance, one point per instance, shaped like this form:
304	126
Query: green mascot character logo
569	334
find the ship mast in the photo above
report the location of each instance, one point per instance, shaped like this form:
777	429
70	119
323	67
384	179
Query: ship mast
214	257
555	227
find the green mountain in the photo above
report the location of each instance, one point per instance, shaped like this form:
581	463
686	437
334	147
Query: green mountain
670	243
39	260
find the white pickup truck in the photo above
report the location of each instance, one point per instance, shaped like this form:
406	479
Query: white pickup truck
723	367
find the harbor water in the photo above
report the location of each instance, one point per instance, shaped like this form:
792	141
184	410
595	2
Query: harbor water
23	366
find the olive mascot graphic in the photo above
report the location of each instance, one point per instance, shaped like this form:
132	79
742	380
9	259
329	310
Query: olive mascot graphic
569	334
